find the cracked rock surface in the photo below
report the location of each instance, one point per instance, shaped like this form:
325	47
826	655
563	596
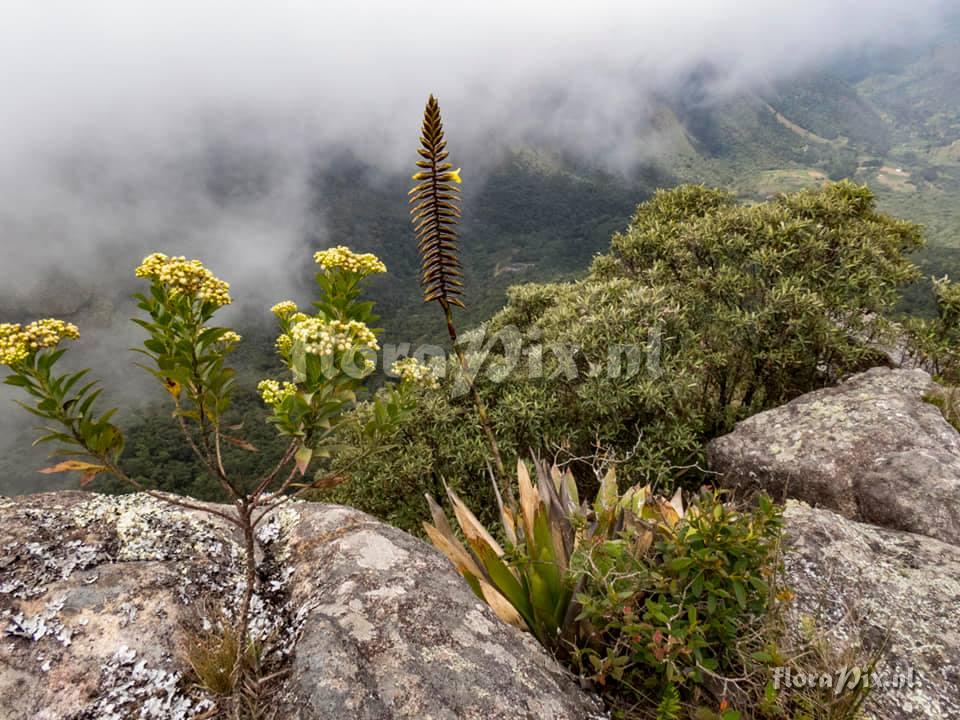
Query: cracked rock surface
887	592
365	620
870	449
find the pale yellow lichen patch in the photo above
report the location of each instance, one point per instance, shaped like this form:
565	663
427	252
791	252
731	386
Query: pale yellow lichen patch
478	622
448	658
373	551
357	625
386	593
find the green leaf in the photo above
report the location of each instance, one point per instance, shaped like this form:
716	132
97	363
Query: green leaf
17	381
504	581
303	457
740	592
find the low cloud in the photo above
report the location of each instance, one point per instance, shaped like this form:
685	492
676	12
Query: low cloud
195	128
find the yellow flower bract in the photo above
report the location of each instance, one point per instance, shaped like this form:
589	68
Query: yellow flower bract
16	342
412	371
282	309
320	337
274	393
13	347
151	266
344	258
284	344
187	277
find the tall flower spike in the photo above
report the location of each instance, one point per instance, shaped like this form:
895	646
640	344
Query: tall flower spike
435	212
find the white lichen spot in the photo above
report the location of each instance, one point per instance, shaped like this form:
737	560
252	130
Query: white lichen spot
135	690
374	551
278	525
128	613
449	659
46	623
357	625
390	592
478	623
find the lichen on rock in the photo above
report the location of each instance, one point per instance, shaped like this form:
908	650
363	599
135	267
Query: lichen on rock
869	448
99	595
892	594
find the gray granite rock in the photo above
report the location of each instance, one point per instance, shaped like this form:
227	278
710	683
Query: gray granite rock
390	632
360	620
883	591
869	448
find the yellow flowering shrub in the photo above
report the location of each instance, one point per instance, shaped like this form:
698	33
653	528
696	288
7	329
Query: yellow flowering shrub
329	355
344	258
274	392
413	372
189	358
185	277
321	337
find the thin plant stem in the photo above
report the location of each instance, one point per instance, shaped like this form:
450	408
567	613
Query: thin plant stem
480	407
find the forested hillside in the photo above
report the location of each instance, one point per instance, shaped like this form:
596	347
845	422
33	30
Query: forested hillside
538	213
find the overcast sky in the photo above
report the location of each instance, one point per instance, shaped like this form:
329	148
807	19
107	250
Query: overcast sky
107	104
132	71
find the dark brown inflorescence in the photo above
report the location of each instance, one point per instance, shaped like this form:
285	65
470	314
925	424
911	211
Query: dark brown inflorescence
435	212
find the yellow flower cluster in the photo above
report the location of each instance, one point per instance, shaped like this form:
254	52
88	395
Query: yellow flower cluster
320	337
13	348
48	333
230	338
298	317
343	257
188	277
151	266
412	371
274	393
17	342
282	309
284	344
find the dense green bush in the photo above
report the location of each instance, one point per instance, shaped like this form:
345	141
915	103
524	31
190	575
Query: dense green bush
684	614
655	603
934	343
732	309
777	293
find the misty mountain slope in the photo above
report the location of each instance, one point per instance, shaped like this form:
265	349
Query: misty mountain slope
832	109
922	99
235	190
887	118
533	216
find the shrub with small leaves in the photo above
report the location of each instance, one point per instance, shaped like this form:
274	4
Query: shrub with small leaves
934	344
326	355
703	312
673	617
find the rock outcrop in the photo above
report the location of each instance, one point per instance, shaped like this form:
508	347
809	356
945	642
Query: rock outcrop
870	449
887	593
875	563
100	597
